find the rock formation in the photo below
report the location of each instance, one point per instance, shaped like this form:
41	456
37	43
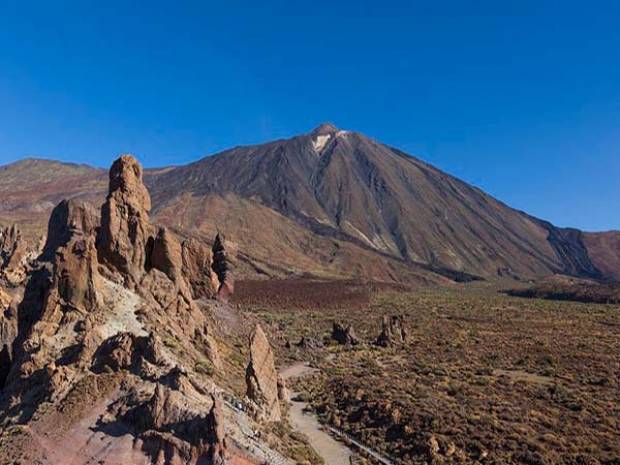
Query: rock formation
70	246
309	343
16	255
261	379
174	428
125	227
392	331
116	301
8	330
221	267
197	260
344	335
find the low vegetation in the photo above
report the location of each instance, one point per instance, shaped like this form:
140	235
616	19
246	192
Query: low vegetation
577	291
482	378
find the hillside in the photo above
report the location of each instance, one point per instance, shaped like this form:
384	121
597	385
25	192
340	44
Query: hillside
335	203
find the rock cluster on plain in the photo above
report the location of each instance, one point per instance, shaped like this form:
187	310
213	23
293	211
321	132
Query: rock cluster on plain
344	335
392	331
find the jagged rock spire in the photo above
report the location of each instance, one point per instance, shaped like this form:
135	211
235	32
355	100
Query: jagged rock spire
261	378
221	267
125	227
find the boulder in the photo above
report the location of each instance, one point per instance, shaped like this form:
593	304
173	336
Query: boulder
261	379
309	343
126	351
392	331
344	335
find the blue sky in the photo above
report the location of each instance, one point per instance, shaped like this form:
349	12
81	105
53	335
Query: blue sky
521	99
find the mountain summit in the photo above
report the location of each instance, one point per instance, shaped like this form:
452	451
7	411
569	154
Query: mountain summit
333	202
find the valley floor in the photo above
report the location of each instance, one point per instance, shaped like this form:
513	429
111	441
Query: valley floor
483	377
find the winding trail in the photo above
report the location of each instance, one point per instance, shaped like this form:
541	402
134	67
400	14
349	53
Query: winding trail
332	451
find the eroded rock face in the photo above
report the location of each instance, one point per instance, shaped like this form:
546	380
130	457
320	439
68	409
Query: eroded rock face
8	332
344	335
71	246
166	254
392	331
88	327
197	261
261	379
126	351
170	426
125	227
58	295
221	267
16	255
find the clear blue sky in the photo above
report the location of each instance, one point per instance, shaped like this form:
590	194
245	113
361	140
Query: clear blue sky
519	98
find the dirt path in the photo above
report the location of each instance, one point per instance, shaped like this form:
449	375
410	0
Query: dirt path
332	451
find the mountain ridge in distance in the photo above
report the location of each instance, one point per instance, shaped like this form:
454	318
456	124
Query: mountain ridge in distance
335	203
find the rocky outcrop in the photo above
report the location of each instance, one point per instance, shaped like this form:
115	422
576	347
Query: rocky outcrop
221	267
261	379
197	261
172	427
125	228
126	351
16	255
60	294
71	246
344	335
165	254
309	343
112	308
216	436
8	331
392	331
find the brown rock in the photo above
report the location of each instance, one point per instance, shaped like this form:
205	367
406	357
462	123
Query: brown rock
186	436
16	255
197	261
71	235
309	343
5	300
261	379
283	392
216	436
126	351
432	447
392	331
8	332
166	255
221	267
125	227
344	335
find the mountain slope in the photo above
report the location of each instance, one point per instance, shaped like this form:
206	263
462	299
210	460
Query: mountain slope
336	203
343	185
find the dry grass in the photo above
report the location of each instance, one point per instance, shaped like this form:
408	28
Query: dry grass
493	378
